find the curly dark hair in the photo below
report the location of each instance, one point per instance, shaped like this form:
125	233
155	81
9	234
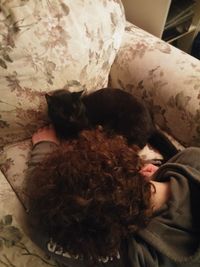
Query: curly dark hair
89	195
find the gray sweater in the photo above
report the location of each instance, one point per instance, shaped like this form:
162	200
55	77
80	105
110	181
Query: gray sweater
172	237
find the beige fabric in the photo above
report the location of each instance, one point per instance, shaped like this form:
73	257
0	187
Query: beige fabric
48	45
15	158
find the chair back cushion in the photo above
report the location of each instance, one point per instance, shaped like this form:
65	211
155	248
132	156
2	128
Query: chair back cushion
49	45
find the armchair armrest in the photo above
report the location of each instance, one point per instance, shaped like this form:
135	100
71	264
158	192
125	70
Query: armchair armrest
166	78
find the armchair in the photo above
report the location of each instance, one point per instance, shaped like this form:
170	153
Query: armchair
46	45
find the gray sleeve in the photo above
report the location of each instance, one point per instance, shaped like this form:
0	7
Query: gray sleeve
141	254
185	164
189	157
39	152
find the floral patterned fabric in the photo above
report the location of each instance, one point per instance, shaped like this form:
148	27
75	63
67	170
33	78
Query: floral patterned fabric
165	77
47	45
15	159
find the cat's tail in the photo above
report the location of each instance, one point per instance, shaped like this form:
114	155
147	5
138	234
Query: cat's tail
161	142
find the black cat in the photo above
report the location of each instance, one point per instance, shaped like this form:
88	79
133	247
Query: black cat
112	108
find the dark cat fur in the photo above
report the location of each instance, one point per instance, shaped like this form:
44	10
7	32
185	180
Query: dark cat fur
112	108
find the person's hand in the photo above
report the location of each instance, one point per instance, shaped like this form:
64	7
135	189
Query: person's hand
45	134
148	170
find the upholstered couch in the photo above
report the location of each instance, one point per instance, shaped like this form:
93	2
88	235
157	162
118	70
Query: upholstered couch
47	45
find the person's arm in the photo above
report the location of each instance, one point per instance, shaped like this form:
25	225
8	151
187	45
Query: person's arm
44	142
45	134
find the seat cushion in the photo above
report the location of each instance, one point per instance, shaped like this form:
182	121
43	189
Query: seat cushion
13	164
49	45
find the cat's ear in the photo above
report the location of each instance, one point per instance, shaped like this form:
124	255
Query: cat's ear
77	95
48	98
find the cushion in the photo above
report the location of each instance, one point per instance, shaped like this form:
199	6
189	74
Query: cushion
13	164
48	45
